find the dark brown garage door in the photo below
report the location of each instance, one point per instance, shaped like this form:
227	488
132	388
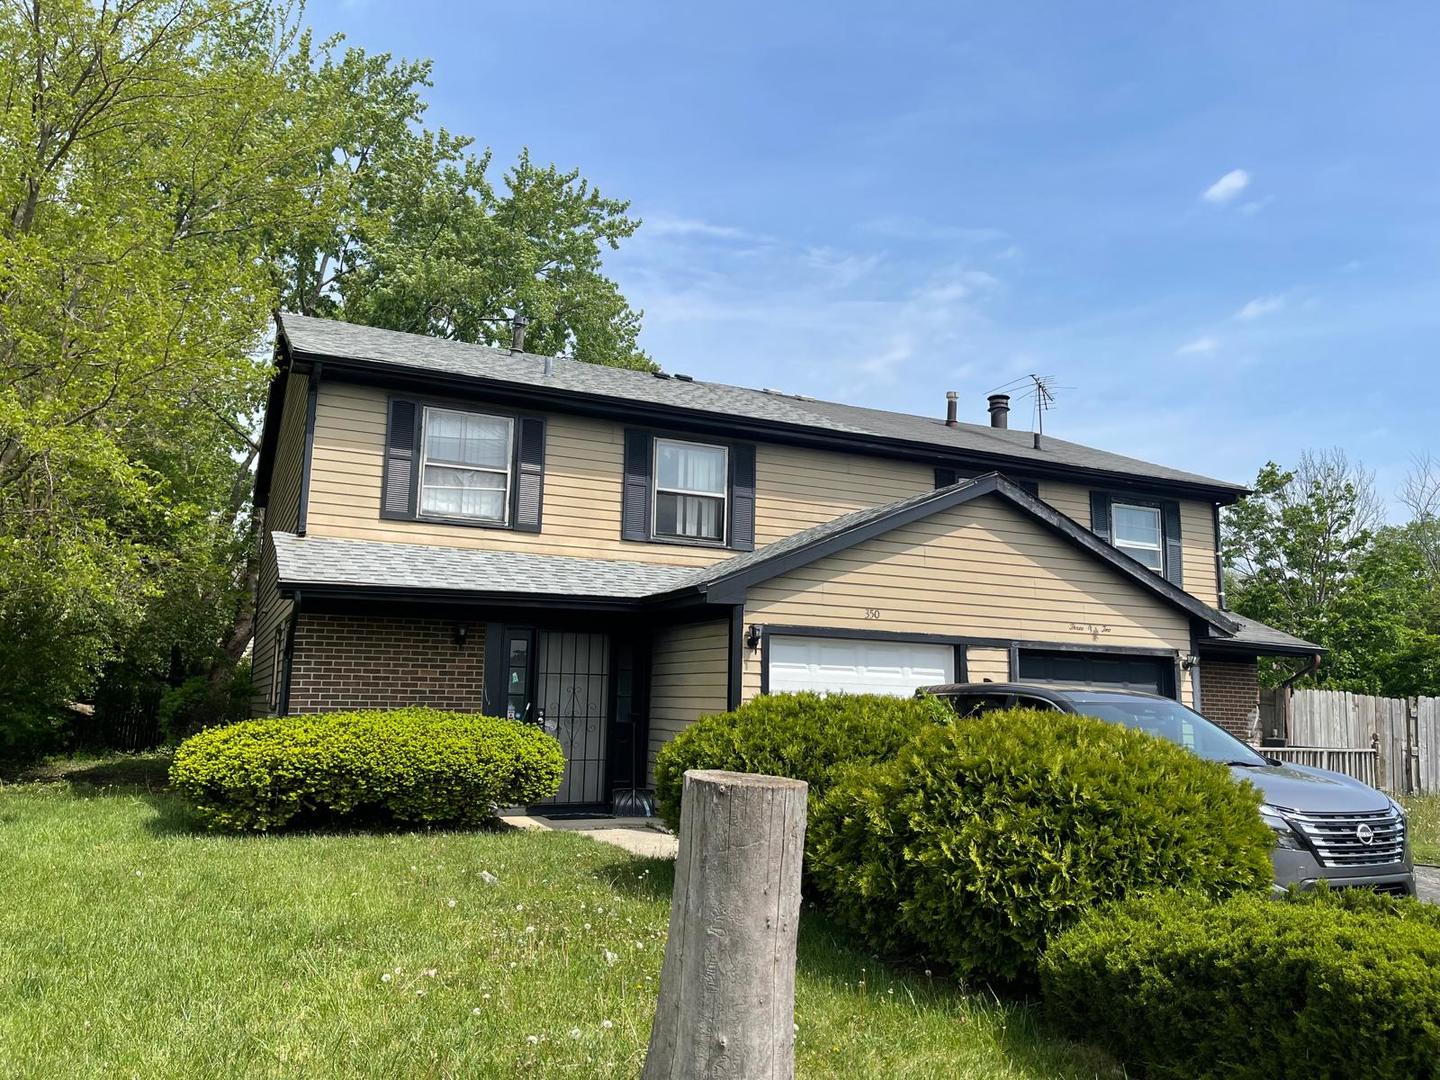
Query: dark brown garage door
1154	674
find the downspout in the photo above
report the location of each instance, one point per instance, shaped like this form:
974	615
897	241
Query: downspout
1311	667
1219	560
284	709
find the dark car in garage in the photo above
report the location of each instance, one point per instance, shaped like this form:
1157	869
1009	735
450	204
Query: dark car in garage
1327	826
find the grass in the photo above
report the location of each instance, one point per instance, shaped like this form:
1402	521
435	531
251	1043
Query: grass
132	944
1424	814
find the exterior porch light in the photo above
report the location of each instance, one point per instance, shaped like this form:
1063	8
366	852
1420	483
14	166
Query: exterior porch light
752	636
1189	662
461	630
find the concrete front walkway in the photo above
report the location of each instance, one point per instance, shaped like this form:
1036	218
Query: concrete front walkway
1427	883
637	835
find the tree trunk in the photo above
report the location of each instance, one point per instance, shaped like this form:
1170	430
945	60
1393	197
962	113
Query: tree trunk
727	989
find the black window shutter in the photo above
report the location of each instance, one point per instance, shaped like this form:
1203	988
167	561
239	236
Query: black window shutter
529	473
635	500
1174	552
1100	515
945	477
742	497
401	459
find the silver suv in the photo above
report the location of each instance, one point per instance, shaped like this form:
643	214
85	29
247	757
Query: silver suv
1327	826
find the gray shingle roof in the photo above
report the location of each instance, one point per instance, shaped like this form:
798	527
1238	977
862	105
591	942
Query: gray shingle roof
1255	633
349	341
324	560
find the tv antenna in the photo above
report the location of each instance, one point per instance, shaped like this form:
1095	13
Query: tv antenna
1044	401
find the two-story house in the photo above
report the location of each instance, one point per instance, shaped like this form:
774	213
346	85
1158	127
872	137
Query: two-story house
615	553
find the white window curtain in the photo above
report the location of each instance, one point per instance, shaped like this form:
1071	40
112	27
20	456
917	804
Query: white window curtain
467	465
691	481
687	467
1138	532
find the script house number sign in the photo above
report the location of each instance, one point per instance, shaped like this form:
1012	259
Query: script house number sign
872	613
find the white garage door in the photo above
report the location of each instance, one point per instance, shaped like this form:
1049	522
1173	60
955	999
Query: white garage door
857	667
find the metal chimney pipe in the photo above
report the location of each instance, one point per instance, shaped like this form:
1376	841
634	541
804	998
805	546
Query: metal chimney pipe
517	332
951	406
999	410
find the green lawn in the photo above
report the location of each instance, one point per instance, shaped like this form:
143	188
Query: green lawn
132	944
1424	814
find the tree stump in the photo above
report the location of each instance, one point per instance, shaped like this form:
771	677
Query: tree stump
727	989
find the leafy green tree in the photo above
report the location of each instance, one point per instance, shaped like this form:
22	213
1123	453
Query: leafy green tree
1308	553
172	171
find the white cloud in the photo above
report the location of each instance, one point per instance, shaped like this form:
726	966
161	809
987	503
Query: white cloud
1227	187
664	225
1198	346
1260	307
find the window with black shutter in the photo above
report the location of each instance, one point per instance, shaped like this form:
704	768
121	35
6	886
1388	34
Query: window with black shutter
1148	530
444	462
689	492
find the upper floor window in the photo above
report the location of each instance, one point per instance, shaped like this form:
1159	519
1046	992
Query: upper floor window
465	468
1140	533
691	482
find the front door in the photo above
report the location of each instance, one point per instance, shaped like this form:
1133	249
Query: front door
572	692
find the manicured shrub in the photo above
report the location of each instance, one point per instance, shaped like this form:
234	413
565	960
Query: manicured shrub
410	764
803	736
983	837
1254	988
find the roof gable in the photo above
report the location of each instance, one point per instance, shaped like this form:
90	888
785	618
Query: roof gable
727	581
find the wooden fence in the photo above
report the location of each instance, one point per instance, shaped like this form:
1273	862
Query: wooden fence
1361	764
1402	736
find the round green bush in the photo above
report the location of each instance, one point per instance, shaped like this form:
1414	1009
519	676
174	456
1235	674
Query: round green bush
1254	988
982	838
803	736
410	764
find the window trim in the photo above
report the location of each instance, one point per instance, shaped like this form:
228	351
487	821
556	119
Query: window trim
1126	548
421	514
655	490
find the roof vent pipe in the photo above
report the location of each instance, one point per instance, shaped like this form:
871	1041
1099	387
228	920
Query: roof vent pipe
517	332
999	410
951	405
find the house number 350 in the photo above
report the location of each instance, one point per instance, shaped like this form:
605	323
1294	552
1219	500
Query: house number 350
872	613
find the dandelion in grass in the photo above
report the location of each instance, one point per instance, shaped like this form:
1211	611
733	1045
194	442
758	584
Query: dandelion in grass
610	957
476	1011
386	977
575	1033
607	1024
532	1039
450	903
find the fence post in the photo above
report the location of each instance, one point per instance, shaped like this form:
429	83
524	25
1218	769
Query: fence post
727	987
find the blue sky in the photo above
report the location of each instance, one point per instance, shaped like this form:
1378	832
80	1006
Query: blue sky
1216	225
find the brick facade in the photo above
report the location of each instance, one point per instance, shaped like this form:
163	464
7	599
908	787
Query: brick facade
1230	695
367	662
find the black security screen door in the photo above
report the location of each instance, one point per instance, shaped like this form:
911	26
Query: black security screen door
572	689
1153	674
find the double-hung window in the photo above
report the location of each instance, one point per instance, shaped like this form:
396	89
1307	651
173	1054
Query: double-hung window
1139	532
465	467
691	482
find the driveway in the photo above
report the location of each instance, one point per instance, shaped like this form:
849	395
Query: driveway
1427	883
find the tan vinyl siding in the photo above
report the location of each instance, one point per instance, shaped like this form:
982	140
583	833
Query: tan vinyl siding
272	612
978	570
283	506
281	514
583	462
689	678
795	488
987	665
1197	534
